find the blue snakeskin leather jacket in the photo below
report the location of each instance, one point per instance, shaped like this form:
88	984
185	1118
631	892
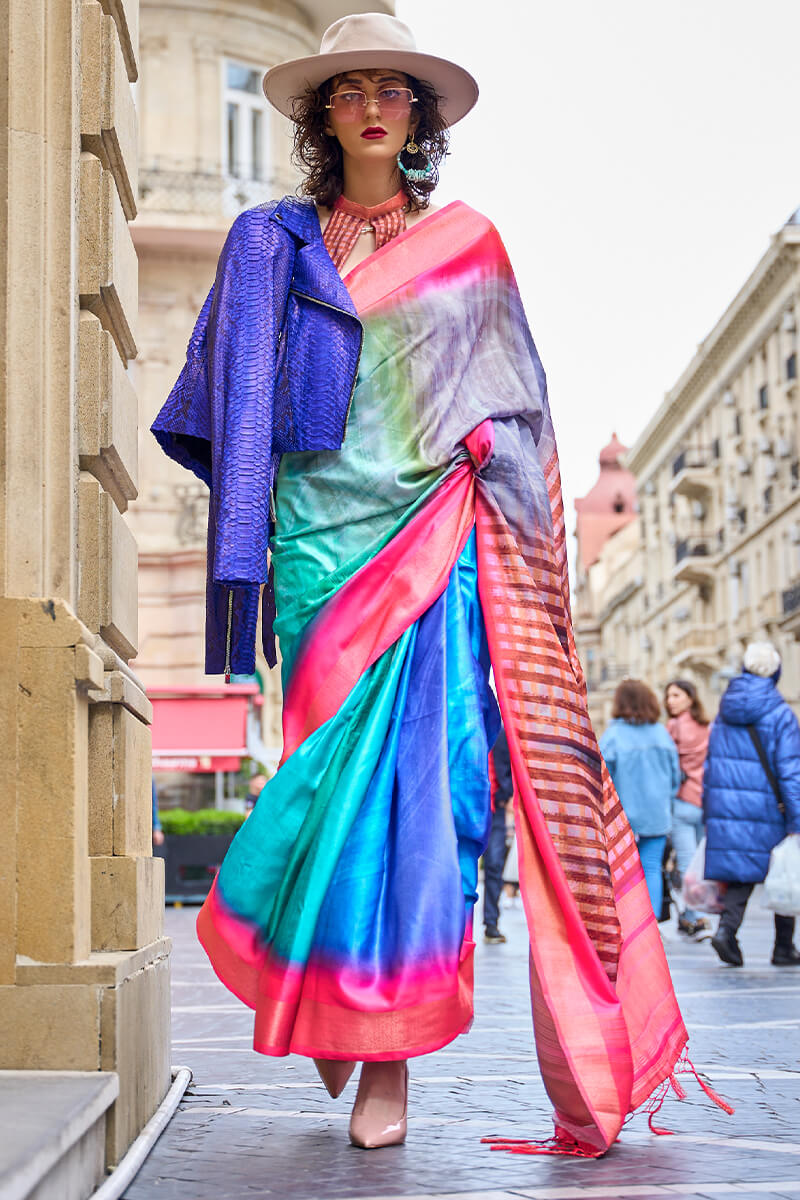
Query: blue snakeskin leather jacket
270	368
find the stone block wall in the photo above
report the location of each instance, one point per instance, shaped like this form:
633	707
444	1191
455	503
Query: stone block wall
84	966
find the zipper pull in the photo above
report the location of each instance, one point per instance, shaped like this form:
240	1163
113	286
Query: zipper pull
228	637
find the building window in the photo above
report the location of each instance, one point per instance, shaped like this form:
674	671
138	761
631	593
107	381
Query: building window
767	499
716	448
737	425
763	397
744	584
245	124
791	366
795	474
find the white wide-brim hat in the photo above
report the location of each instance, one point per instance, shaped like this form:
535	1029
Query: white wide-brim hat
364	41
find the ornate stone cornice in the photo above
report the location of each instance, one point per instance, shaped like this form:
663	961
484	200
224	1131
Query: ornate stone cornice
715	351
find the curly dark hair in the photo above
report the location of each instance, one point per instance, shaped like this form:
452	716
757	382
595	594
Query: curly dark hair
319	155
635	702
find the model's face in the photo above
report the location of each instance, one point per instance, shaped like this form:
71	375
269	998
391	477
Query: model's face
381	129
678	701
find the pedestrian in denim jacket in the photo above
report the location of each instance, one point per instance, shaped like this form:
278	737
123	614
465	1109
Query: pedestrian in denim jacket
643	763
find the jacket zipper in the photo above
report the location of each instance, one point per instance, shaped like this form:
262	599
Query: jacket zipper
228	637
335	308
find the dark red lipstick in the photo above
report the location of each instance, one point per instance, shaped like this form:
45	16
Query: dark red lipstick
374	132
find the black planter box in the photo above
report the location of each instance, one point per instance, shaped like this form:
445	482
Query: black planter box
191	860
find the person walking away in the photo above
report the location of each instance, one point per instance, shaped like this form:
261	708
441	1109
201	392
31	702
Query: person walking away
643	762
688	727
755	735
494	856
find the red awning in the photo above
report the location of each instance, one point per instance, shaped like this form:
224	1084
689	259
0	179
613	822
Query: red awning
201	729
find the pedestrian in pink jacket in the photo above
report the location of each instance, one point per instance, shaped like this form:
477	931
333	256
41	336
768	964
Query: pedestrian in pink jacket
689	728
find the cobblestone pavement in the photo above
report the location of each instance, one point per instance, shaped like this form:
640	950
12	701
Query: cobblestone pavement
252	1126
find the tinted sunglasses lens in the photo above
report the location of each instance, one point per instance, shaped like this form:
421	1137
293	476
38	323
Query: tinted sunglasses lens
349	106
394	103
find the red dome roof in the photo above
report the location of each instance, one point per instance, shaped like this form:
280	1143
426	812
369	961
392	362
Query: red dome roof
608	506
613	452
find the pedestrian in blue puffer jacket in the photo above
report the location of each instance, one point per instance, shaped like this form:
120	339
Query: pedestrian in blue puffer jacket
743	818
643	762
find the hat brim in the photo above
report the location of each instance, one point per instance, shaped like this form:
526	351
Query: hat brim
456	88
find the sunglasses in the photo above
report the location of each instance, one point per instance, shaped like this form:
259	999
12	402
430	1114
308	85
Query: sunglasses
350	105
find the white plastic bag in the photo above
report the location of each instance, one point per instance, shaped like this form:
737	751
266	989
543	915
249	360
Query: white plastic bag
782	885
697	891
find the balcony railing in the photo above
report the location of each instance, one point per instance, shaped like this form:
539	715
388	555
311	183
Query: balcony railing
696	642
173	187
694	472
695	558
694	459
697	545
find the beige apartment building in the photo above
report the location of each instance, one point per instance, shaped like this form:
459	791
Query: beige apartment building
714	558
210	146
84	966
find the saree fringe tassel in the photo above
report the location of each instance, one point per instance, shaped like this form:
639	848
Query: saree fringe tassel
564	1144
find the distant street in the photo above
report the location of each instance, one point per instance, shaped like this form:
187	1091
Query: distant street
252	1126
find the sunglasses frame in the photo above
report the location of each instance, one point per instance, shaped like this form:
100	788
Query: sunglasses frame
367	99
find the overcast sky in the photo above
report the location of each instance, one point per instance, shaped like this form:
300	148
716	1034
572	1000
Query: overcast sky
636	157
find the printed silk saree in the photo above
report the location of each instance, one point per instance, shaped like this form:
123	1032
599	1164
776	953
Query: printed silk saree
428	549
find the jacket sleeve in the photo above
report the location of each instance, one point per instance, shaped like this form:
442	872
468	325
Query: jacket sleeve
217	420
247	310
787	766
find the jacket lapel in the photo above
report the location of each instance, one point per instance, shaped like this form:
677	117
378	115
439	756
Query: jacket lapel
314	273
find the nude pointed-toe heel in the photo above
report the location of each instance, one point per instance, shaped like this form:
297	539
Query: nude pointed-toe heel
380	1112
334	1074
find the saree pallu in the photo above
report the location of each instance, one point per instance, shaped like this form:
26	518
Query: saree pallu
426	551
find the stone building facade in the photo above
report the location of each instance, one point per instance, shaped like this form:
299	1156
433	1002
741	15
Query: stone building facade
210	146
84	966
714	558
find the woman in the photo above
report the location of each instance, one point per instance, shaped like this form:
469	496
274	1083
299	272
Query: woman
643	762
688	728
362	388
751	796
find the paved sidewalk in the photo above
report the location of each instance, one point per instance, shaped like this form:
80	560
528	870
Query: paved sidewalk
252	1126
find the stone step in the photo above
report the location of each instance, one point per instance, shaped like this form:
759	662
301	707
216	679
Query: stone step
52	1133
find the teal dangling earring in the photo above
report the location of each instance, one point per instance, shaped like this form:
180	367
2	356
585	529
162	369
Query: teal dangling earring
415	174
